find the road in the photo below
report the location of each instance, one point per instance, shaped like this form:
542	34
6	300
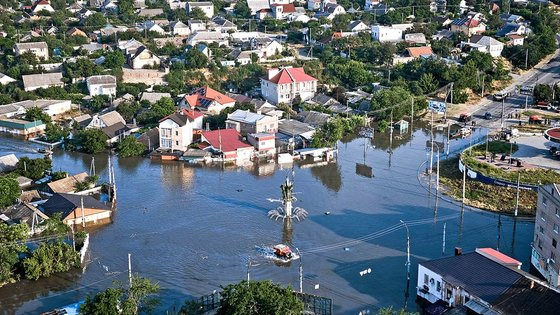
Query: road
547	73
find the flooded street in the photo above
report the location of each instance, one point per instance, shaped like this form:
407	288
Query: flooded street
193	229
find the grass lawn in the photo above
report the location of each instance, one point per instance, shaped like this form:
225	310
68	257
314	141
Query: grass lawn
535	176
484	196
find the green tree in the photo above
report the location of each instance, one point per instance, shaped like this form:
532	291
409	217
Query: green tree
122	301
130	146
542	93
198	14
160	109
128	110
95	21
50	258
114	60
35	113
427	82
242	9
13	239
54	133
33	168
341	21
259	297
54	225
92	140
195	59
390	311
9	191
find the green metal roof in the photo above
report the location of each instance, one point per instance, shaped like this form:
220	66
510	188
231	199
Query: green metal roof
19	124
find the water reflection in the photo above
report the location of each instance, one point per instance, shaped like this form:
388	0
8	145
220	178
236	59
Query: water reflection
329	175
175	174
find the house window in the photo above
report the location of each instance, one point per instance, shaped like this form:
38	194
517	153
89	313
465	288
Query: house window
557	212
541	229
426	279
449	294
544	201
554	243
555	228
540	244
176	142
438	286
552	256
176	132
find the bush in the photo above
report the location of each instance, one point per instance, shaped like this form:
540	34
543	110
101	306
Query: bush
92	140
9	191
130	146
33	168
50	258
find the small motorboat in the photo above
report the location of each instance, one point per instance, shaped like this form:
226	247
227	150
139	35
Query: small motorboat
283	252
45	151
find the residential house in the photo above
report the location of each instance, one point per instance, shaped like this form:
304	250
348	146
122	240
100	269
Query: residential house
68	184
102	85
228	144
42	5
313	118
221	24
267	47
176	130
442	20
511	18
110	6
281	11
82	120
515	40
258	5
151	26
177	5
208	38
414	53
293	134
545	255
358	26
207	100
484	282
70	207
49	107
116	132
129	46
74	31
24	213
105	120
370	4
206	7
143	58
324	100
468	26
4	79
179	28
330	10
8	163
153	97
149	13
485	44
150	139
283	85
264	143
197	25
384	34
74	7
22	128
513	28
32	82
39	49
415	38
246	122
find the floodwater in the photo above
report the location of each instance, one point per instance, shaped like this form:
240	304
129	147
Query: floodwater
193	229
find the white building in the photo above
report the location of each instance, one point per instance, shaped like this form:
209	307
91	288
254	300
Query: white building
180	29
206	7
39	49
176	130
485	44
32	82
4	79
151	26
102	85
285	84
392	33
49	107
42	5
106	120
143	58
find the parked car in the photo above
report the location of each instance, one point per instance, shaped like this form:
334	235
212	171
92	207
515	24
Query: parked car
501	95
526	89
488	115
465	117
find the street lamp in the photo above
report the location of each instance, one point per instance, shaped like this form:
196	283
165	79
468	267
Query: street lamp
300	271
407	250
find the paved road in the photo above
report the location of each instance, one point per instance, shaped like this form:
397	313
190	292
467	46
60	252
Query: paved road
545	74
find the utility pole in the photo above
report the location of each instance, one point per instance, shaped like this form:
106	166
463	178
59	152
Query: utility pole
486	151
83	215
464	180
448	135
407	250
503	110
129	272
443	247
517	194
437	171
526	101
432	144
482	85
526	58
300	271
92	167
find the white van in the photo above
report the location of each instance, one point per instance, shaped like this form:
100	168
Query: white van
501	95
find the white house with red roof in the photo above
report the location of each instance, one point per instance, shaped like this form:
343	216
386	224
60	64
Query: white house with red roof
42	5
207	100
176	130
227	143
283	85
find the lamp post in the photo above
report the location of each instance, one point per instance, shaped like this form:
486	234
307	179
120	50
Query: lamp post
407	250
300	271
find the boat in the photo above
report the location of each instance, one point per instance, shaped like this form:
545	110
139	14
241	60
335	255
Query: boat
283	251
45	151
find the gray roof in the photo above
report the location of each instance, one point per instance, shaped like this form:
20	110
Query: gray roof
66	203
102	79
478	275
324	100
293	127
33	45
9	109
153	97
37	103
150	12
200	4
485	40
37	80
245	116
111	118
115	130
8	163
315	119
21	213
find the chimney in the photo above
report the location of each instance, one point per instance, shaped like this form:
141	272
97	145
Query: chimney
272	72
458	251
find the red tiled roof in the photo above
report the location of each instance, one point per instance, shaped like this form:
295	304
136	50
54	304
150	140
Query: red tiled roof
207	93
515	36
192	114
230	139
286	8
472	23
420	51
291	75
